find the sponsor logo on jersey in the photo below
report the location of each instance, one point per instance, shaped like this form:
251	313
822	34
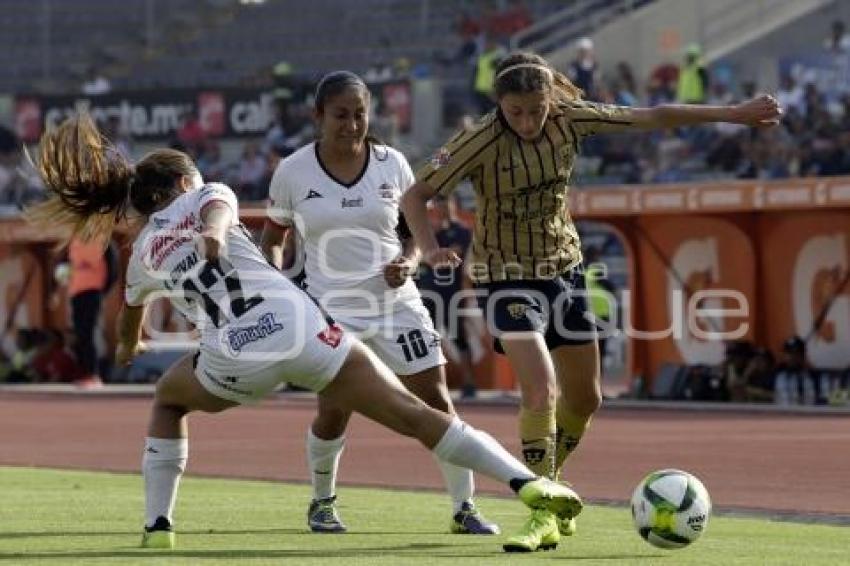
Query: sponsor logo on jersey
313	194
160	223
162	245
332	335
387	191
352	202
441	158
239	337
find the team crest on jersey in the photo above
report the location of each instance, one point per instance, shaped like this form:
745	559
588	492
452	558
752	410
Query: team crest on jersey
238	338
441	158
517	310
387	191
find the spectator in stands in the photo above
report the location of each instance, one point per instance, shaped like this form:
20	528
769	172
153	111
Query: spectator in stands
384	124
191	134
838	40
584	70
469	30
93	270
17	188
485	72
442	284
210	163
795	382
768	155
790	94
273	157
516	17
733	370
760	376
8	162
662	84
624	87
693	78
276	134
252	171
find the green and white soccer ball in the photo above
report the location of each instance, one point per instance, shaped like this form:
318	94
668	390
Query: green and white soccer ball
670	508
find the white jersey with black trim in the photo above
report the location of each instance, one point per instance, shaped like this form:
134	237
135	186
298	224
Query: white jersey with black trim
235	302
348	230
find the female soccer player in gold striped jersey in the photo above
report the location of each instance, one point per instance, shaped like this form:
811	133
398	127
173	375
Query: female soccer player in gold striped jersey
526	256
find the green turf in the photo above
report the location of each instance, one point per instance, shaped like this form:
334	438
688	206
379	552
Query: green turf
59	518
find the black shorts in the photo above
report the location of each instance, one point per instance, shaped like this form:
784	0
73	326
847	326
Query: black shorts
557	308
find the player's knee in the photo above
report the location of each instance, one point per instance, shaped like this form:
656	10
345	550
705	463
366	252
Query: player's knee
584	405
439	399
329	424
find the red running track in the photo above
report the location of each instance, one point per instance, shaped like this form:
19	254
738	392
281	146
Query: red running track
774	462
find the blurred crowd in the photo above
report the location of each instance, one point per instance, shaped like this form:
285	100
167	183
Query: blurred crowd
751	374
813	140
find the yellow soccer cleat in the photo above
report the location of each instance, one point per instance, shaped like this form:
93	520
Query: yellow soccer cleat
567	527
159	536
552	496
540	532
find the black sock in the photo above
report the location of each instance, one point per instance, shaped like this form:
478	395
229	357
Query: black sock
517	484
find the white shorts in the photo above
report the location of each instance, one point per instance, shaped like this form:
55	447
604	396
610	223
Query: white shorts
404	338
289	343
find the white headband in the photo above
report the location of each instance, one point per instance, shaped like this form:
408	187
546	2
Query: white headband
524	66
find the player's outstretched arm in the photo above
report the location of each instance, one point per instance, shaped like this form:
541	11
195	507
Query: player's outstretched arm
759	112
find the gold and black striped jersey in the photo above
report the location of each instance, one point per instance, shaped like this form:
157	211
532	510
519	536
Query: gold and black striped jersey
523	228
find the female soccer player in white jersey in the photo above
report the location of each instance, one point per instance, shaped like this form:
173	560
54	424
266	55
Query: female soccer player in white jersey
526	254
257	329
341	194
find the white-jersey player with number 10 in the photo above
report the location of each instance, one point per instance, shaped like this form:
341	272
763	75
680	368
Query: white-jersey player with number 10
341	196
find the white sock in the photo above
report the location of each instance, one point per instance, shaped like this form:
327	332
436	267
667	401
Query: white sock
464	446
323	460
163	463
459	482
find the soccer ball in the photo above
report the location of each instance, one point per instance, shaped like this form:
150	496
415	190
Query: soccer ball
670	508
